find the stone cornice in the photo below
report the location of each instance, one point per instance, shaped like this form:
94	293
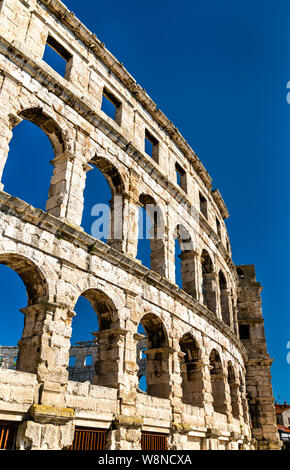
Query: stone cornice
82	106
91	41
75	235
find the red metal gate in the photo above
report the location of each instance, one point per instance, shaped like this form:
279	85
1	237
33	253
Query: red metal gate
89	439
8	432
152	441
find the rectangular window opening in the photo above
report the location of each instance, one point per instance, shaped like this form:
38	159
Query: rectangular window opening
153	441
218	227
244	331
57	57
151	146
203	205
181	177
111	106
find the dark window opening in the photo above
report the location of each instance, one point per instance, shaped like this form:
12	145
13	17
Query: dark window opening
151	146
218	228
181	177
89	439
203	205
244	331
8	432
152	441
111	106
57	57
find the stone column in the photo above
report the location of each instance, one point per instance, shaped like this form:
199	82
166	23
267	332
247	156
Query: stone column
68	181
6	127
131	224
189	273
44	350
46	428
109	364
225	305
209	292
158	371
193	383
125	433
208	398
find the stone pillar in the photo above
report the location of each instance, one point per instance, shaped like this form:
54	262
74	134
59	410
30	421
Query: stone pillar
116	239
189	273
258	376
68	181
6	127
192	383
44	350
110	353
125	433
208	398
209	292
158	371
225	306
131	224
46	428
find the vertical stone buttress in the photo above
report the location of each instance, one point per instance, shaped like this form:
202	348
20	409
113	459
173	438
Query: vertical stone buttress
258	374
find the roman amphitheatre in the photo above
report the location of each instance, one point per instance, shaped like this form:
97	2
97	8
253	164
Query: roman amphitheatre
203	351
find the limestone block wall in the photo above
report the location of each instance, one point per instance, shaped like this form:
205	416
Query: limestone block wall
197	368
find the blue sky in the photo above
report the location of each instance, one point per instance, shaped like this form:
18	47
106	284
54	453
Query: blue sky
219	71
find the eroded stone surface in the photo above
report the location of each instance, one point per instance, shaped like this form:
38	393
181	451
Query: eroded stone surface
202	379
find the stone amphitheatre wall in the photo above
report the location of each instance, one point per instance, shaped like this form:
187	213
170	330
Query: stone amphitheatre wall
197	364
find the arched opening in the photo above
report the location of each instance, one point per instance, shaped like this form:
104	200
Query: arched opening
22	284
95	315
28	172
185	262
151	249
217	383
208	282
103	198
234	387
224	299
83	343
157	356
191	371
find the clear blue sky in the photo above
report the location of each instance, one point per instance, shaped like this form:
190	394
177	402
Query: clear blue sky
219	71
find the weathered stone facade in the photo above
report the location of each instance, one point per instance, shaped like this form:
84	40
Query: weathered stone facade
201	378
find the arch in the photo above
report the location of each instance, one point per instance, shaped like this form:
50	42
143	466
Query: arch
50	127
37	291
106	336
208	282
224	299
33	277
233	384
111	173
26	153
157	356
111	207
154	235
217	382
191	371
103	306
155	330
185	269
91	282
